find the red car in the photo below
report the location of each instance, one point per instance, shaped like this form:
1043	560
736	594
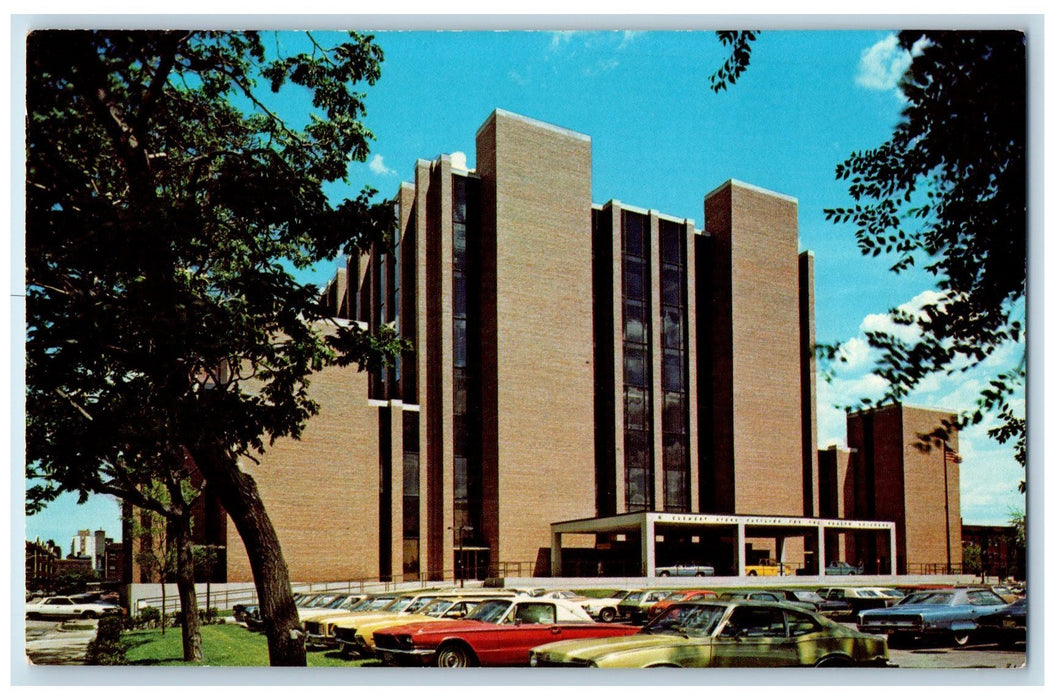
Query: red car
496	633
679	597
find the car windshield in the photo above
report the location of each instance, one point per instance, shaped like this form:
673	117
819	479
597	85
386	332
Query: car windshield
735	595
807	596
634	597
679	595
891	592
686	620
338	603
377	604
437	607
927	598
490	611
417	605
865	593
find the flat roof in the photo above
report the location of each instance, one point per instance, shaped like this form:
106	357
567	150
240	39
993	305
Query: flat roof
635	520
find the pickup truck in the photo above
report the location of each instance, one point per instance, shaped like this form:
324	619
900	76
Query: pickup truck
685	570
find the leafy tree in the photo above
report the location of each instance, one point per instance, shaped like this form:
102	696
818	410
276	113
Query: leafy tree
169	203
972	558
739	58
947	192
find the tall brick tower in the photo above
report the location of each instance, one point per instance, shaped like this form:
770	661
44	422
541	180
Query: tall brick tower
756	370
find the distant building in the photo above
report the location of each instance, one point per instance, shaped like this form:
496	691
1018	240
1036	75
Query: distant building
71	565
106	556
40	560
1001	554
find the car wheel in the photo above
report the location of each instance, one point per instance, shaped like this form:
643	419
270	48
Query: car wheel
88	615
1007	643
664	573
961	639
835	662
453	655
607	615
752	573
700	573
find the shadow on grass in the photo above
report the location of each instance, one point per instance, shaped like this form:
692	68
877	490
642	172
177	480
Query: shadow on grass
362	662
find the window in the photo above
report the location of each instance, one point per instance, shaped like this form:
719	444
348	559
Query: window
536	613
799	624
755	622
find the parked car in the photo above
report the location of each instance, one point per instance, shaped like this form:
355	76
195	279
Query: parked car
635	605
768	567
841	568
679	597
320	631
605	609
950	613
69	607
858	597
342	631
724	633
830	608
685	570
357	636
767	596
496	633
1005	592
1006	626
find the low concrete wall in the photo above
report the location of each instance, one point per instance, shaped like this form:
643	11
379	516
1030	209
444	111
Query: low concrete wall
732	581
223	596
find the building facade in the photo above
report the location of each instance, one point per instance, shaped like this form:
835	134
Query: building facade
570	361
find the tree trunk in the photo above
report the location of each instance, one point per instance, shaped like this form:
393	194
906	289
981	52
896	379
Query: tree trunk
238	494
188	597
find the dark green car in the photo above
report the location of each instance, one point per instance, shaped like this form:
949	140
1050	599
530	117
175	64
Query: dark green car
724	634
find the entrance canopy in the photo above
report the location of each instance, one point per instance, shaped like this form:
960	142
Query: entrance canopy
644	524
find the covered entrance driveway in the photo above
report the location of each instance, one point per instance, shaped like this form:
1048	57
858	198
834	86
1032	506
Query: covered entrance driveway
646	527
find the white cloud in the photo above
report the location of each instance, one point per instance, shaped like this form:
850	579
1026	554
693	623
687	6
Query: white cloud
628	36
378	167
558	39
855	354
458	161
882	65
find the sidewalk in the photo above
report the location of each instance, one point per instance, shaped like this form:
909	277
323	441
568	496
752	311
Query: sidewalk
65	645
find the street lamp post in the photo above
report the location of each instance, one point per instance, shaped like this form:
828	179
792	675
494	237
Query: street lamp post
458	539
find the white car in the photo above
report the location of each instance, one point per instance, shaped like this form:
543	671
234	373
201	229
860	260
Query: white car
68	607
604	609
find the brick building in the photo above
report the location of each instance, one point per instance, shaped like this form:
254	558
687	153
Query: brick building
572	361
1000	553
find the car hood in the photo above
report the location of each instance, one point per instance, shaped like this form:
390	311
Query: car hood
366	618
440	627
317	614
592	649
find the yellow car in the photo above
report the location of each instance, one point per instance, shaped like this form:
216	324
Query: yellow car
319	630
723	634
357	636
768	567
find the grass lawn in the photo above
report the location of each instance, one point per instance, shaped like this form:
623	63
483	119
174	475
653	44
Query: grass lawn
222	645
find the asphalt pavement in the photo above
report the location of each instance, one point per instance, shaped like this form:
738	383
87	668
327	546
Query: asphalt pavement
58	643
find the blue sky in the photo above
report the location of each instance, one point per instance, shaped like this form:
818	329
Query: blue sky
661	139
